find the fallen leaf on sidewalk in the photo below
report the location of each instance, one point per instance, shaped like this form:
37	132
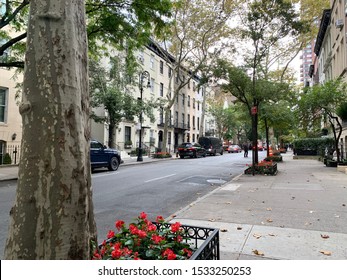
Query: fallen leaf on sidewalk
293	197
223	230
212	220
257	236
239	228
327	253
269	209
228	202
325	236
343	204
269	220
258	253
271	234
337	216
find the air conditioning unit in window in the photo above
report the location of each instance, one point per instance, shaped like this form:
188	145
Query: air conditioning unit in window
339	23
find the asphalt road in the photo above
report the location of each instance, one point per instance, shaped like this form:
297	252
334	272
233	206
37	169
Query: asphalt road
158	188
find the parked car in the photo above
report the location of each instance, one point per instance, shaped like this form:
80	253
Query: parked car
212	145
101	156
234	149
191	149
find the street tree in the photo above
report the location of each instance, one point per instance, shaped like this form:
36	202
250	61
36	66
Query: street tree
267	27
190	51
118	23
323	101
52	217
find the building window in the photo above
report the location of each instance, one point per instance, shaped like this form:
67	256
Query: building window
188	101
161	89
161	115
198	105
183	119
3	105
127	133
188	121
169	138
193	103
152	62
169	72
198	123
176	118
152	85
161	67
193	120
193	138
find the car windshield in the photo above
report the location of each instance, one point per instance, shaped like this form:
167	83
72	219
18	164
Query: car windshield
185	145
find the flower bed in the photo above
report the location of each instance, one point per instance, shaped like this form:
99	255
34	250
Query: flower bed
158	240
262	168
161	155
274	158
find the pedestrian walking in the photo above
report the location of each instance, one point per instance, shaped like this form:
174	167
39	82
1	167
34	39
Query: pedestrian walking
245	150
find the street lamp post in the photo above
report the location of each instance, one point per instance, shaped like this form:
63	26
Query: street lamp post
143	75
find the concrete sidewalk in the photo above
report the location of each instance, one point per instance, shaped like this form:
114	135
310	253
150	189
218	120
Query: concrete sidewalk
299	214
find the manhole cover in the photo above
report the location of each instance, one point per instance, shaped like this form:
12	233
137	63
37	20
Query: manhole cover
203	180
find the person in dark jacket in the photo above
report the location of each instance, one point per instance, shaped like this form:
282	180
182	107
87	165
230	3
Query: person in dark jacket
245	150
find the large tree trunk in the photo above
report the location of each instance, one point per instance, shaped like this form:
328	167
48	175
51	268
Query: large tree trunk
53	213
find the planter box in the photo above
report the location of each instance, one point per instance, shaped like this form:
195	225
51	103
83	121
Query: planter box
262	169
331	163
205	241
202	240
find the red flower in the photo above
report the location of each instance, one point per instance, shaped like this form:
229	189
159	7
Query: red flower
169	254
187	252
119	224
152	227
179	238
116	254
143	215
157	239
175	227
133	229
159	219
110	234
141	233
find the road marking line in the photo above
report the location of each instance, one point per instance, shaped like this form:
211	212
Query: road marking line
159	178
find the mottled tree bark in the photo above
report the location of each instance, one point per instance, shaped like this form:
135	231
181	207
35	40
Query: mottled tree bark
53	213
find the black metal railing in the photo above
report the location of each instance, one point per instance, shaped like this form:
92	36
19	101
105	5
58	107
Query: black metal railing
205	241
11	155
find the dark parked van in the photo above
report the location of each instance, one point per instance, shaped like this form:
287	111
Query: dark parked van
212	145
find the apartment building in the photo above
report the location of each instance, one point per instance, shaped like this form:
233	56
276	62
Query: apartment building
185	115
10	119
331	50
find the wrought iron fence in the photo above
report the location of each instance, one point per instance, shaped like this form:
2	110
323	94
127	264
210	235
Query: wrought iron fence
10	155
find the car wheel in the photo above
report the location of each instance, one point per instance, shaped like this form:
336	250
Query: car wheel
113	164
195	155
221	153
181	156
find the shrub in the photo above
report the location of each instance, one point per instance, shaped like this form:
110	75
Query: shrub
7	159
274	158
161	155
313	146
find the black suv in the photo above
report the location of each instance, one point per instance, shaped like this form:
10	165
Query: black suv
101	156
